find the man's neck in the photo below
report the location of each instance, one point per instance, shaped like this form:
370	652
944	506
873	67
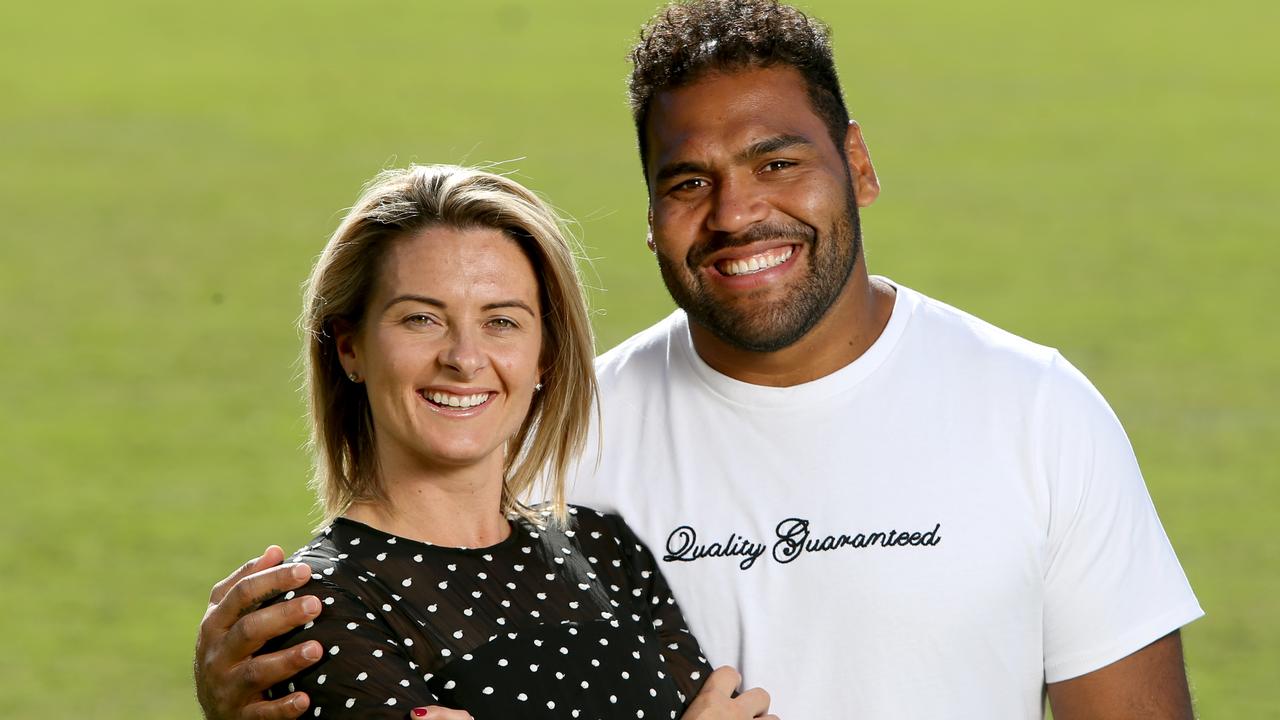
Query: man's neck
850	326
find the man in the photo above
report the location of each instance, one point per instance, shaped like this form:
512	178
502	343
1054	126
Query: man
874	504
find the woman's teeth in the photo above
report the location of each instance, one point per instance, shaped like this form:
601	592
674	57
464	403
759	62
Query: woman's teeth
755	263
458	401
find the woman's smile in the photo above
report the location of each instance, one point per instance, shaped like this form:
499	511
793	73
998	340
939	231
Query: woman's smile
458	403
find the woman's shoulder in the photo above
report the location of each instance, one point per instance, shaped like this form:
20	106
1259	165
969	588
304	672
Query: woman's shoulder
581	520
596	532
591	521
337	556
326	549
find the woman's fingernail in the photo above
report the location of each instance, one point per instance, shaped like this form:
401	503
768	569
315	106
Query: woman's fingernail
419	712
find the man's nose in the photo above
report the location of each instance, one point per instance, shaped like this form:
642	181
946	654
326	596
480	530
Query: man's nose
736	206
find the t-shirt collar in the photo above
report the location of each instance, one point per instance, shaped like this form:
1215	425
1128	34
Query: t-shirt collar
805	394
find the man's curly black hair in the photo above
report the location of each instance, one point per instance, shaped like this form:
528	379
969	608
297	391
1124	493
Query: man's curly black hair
690	38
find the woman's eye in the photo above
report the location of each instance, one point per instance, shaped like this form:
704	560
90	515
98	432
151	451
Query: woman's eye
420	320
502	323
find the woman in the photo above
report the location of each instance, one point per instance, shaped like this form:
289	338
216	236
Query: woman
449	368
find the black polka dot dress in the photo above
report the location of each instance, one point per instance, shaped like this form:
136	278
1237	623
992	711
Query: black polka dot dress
574	623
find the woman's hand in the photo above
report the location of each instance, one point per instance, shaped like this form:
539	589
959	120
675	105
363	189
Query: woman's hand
435	712
229	681
716	701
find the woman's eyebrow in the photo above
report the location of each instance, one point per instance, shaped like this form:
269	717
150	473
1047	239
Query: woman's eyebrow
444	306
508	303
415	298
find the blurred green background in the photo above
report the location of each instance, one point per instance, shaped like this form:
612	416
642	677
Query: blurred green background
1097	176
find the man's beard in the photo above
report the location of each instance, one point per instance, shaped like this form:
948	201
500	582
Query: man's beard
832	257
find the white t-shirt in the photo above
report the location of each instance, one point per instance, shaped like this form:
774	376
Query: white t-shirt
933	531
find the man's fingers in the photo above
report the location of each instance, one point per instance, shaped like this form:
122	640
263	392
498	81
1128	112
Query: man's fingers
286	708
722	682
754	702
269	557
251	591
435	712
257	674
252	631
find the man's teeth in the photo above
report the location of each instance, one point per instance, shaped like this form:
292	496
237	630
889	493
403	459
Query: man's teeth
756	263
458	401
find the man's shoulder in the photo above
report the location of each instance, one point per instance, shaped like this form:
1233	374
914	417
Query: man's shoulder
641	355
943	330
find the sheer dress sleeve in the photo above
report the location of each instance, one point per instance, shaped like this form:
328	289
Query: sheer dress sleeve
364	672
547	624
680	649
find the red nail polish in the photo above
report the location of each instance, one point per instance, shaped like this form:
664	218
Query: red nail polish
419	712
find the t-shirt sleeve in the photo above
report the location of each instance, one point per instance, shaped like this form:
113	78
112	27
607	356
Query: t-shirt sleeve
1112	581
680	649
364	671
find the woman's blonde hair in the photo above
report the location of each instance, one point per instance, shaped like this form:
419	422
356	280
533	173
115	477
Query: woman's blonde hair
400	203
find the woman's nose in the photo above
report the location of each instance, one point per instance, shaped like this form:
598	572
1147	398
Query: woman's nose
463	354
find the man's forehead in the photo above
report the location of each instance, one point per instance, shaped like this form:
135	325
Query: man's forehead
749	89
727	112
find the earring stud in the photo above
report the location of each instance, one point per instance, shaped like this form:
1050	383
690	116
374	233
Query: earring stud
353	377
537	387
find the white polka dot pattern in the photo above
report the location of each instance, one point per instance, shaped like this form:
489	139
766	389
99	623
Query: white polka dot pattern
546	624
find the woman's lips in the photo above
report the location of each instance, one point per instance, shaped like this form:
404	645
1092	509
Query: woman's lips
455	402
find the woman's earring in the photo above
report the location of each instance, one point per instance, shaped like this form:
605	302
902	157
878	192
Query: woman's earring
537	387
353	377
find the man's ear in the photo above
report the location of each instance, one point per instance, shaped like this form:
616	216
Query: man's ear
649	238
866	186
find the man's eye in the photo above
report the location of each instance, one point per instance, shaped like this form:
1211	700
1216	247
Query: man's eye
775	165
690	184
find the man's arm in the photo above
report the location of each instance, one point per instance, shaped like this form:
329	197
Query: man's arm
229	681
1150	684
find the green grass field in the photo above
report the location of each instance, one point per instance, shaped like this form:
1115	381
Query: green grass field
1101	178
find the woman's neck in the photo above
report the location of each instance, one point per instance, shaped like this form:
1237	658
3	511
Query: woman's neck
447	506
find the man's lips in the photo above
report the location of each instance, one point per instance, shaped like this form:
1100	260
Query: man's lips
747	261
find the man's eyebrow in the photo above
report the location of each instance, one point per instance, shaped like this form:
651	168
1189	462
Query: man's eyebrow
751	152
685	167
771	145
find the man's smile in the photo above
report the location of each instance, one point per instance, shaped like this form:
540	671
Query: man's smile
756	262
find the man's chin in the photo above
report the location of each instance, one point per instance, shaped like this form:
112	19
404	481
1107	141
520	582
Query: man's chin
753	334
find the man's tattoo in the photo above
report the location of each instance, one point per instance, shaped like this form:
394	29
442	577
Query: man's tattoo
257	602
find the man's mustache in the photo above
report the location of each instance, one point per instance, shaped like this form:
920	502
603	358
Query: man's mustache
753	234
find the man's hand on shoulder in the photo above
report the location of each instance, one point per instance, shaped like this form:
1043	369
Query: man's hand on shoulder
230	682
1150	684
